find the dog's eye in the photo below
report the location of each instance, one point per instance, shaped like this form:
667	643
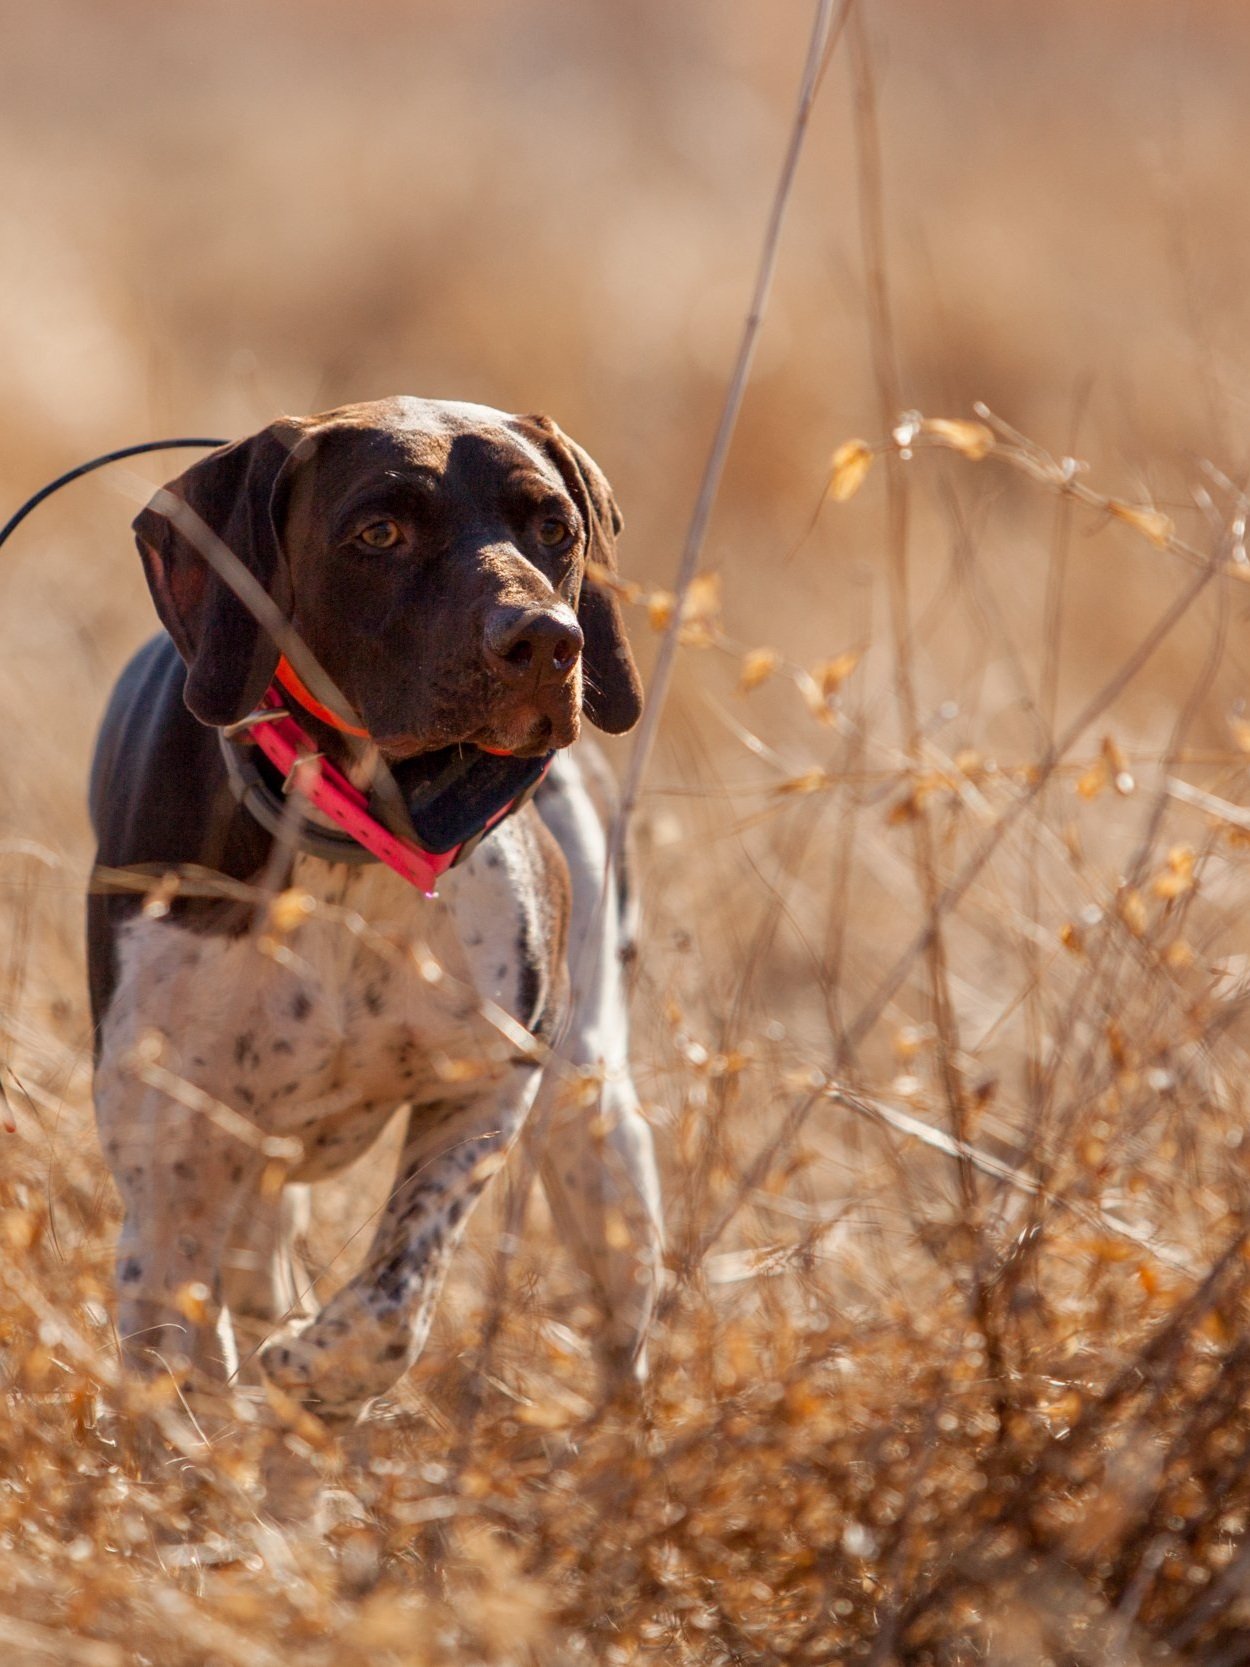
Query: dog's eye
552	532
380	535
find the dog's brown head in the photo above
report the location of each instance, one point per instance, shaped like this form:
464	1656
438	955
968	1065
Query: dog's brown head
432	556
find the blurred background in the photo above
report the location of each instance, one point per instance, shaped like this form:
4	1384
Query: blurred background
213	213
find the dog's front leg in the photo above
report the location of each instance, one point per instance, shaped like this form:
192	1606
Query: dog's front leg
182	1168
508	906
374	1328
181	1182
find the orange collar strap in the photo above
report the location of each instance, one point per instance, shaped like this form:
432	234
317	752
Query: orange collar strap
291	681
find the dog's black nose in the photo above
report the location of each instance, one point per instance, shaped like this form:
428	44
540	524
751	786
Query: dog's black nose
533	645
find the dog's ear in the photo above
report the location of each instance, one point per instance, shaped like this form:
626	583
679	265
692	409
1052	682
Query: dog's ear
235	492
612	696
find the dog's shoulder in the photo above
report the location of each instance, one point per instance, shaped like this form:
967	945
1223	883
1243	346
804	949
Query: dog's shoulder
159	799
159	791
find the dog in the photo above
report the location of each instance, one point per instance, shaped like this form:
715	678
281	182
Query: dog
257	1032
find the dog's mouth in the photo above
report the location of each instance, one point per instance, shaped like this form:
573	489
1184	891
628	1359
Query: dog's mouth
528	734
531	738
522	728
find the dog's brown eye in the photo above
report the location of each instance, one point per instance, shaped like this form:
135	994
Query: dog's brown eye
380	535
552	531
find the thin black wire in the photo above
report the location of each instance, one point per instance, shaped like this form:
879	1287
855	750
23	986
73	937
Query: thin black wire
15	521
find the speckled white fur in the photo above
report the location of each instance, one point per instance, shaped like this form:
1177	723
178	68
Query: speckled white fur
323	1044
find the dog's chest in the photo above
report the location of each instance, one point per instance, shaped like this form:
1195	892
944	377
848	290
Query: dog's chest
351	1000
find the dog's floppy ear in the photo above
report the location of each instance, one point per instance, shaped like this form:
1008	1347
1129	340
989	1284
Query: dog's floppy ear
234	492
612	696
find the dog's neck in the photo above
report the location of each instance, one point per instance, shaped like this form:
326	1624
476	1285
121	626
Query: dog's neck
335	818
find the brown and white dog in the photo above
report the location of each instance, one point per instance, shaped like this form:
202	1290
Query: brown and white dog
432	557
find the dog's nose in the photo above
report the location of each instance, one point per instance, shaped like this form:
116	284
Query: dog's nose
533	645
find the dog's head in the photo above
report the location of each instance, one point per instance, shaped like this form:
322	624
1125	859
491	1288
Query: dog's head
432	556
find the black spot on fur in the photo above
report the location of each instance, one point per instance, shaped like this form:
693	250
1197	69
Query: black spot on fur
374	1000
398	1271
529	984
243	1045
130	1272
183	1169
244	1095
393	1275
283	1045
301	1007
395	1351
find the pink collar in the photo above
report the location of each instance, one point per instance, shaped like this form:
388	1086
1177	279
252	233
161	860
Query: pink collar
294	754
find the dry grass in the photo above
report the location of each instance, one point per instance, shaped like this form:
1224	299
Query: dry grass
941	1017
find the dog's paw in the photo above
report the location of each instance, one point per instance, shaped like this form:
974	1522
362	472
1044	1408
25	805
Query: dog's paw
335	1368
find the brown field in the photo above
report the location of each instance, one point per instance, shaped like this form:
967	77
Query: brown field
940	1014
